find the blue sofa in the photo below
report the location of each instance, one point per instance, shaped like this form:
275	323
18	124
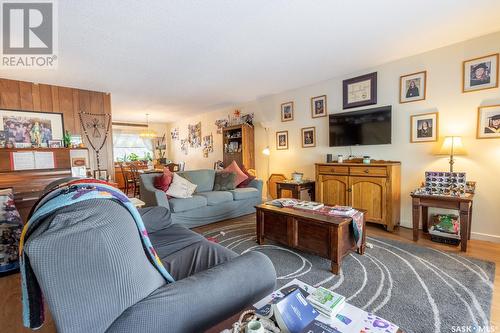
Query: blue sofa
206	206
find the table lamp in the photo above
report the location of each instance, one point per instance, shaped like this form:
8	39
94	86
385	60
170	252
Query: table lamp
452	145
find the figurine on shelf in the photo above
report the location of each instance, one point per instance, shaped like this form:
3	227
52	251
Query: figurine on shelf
36	135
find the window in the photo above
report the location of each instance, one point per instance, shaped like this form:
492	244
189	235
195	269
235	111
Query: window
128	145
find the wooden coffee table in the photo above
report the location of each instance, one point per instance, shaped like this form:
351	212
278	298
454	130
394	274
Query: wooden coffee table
327	236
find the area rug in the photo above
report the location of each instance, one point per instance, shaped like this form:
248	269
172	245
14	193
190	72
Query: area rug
418	288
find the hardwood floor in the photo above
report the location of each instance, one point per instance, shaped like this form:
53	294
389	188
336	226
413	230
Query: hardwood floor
10	299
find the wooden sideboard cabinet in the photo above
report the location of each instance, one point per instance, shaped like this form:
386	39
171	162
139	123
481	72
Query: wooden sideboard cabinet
375	187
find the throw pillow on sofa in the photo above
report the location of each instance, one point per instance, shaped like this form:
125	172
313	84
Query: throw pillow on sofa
224	181
248	180
163	181
240	176
181	188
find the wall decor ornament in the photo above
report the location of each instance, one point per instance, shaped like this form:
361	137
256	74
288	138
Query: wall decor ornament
413	87
359	91
26	129
424	127
208	145
194	135
282	140
488	122
174	134
480	73
287	111
96	129
185	146
318	106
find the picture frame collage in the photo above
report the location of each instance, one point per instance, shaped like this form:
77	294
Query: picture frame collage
478	74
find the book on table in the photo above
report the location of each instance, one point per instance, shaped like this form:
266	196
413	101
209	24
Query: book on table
350	319
326	301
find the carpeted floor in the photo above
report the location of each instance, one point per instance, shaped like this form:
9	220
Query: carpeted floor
418	288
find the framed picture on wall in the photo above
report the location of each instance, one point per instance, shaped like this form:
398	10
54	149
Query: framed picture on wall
424	127
287	111
308	137
488	122
359	91
318	106
31	129
412	87
282	140
480	73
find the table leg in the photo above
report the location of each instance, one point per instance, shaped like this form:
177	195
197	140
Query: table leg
416	217
361	249
260	227
464	225
296	193
425	219
312	192
470	220
278	190
335	245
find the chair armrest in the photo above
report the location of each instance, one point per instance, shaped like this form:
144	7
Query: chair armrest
151	195
203	299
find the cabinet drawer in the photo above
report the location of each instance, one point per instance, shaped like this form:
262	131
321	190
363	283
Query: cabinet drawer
337	169
368	171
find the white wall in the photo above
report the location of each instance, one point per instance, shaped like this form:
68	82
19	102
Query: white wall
457	116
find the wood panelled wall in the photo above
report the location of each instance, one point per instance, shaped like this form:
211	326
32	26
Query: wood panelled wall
21	95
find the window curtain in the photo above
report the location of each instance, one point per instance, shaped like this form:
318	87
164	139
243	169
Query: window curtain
128	141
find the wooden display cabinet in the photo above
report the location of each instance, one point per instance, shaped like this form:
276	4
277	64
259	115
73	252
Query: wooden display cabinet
375	187
238	145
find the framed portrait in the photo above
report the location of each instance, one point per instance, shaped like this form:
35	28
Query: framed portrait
55	143
424	127
488	122
287	111
412	87
359	91
101	174
318	106
282	140
308	137
480	73
31	129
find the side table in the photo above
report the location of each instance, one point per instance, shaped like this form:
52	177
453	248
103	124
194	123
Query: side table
296	187
421	203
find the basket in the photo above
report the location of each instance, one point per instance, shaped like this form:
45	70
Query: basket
445	240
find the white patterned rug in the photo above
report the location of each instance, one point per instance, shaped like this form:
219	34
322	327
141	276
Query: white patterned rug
422	290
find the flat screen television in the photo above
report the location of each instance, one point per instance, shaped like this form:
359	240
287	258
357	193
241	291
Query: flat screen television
364	127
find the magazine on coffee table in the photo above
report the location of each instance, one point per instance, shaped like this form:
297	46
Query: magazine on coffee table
349	320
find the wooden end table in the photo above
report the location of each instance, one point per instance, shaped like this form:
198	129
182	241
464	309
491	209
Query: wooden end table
296	187
327	236
421	203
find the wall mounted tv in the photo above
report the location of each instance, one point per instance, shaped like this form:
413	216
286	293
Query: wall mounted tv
364	127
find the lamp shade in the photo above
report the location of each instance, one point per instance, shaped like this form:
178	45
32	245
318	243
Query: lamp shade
452	145
266	151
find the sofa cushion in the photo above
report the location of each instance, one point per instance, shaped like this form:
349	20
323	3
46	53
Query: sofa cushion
204	179
245	193
224	181
216	197
181	205
163	181
248	180
240	176
181	187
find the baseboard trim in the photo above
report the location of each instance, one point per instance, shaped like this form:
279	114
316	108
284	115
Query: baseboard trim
485	237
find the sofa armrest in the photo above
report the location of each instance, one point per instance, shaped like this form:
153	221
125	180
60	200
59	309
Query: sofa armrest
256	183
151	195
203	299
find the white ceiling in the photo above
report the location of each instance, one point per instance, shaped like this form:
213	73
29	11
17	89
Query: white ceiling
174	58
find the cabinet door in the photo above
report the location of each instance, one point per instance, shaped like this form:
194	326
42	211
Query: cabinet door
332	190
370	193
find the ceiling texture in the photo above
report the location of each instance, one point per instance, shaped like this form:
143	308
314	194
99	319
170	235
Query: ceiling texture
173	58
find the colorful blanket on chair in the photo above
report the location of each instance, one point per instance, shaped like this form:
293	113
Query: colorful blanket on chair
62	196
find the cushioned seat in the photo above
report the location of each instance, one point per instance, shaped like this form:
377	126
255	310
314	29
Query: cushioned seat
245	193
215	198
172	239
181	205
